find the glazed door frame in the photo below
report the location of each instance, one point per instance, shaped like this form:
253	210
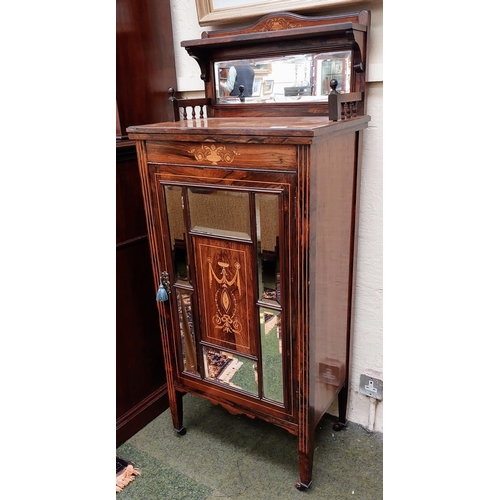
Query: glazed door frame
252	183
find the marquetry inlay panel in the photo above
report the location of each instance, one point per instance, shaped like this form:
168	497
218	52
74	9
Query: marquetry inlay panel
252	156
214	154
280	23
226	293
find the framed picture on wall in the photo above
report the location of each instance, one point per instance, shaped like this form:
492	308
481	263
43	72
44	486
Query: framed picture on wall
257	87
263	69
268	87
213	12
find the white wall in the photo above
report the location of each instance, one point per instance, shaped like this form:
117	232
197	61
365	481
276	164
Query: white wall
366	341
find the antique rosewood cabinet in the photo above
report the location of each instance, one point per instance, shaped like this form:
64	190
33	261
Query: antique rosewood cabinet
251	213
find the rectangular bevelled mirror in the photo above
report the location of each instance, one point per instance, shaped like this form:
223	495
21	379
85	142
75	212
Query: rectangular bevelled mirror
188	344
177	228
300	77
220	212
267	220
272	354
231	370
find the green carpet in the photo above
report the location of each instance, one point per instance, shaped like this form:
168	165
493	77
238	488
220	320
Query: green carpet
223	456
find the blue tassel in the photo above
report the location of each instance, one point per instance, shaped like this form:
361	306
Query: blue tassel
162	295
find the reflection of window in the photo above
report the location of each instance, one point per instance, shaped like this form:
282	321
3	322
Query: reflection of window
257	87
333	66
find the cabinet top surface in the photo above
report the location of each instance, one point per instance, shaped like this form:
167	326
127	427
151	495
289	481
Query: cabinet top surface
298	126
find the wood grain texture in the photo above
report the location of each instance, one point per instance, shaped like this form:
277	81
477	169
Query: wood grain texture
144	70
139	399
330	265
275	157
226	293
316	232
145	65
247	129
311	164
287	20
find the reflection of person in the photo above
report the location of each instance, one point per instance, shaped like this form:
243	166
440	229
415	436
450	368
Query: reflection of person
239	74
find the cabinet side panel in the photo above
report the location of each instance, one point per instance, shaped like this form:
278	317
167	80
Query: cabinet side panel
331	207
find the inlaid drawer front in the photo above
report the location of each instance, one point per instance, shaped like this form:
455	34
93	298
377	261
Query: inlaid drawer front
251	156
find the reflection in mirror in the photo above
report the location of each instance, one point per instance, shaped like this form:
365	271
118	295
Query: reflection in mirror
220	212
173	197
272	358
304	77
185	309
231	370
267	217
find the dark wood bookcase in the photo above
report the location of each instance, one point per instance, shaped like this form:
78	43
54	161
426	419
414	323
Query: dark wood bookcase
144	70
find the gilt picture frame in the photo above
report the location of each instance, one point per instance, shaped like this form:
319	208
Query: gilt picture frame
268	87
215	12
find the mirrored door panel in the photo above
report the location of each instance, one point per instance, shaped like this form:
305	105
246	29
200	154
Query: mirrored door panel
188	339
178	233
268	265
231	370
225	253
272	354
220	212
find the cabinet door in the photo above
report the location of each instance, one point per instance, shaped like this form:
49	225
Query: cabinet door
226	263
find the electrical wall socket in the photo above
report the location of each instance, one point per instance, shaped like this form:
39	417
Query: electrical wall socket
371	386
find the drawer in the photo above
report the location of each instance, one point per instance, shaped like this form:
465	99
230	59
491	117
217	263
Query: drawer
227	155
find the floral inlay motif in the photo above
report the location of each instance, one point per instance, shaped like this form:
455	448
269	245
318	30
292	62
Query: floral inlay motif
225	299
214	154
279	23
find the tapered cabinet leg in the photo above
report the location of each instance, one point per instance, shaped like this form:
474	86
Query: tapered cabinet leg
306	455
177	413
305	468
342	402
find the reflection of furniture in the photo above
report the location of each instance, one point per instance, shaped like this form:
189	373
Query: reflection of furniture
242	188
297	91
144	67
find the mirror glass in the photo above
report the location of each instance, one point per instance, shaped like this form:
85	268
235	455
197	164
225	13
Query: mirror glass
304	77
272	357
220	212
267	218
188	341
231	370
177	228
